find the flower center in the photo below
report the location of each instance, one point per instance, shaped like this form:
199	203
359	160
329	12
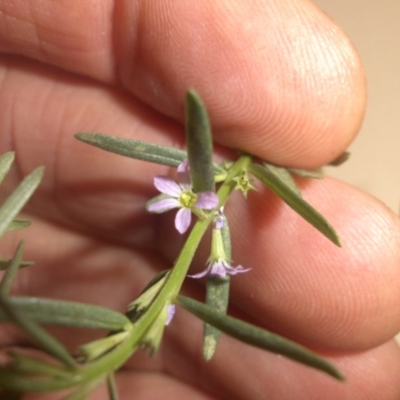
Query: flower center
187	199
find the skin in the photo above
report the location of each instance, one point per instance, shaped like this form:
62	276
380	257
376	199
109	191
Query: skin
281	81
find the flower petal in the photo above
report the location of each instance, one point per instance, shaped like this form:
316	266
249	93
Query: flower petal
200	274
219	268
184	174
207	200
163	205
183	219
183	166
167	185
236	270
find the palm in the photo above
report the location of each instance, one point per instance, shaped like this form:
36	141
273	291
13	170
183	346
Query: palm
93	242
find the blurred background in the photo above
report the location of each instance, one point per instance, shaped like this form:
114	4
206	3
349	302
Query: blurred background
374	28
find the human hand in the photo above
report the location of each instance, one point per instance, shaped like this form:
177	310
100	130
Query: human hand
280	81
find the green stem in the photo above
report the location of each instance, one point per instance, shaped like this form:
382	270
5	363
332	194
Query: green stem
116	358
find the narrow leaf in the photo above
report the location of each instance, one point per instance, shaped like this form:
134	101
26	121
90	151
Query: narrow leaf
137	149
42	338
140	305
17	224
18	198
284	176
97	348
6	161
5	263
81	393
340	160
258	337
217	298
199	144
30	365
67	313
272	181
11	272
156	279
112	387
316	173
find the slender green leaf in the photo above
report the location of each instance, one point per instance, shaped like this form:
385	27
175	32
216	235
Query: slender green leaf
284	176
11	272
17	224
42	338
140	305
317	173
340	160
217	297
95	349
112	387
258	337
5	263
24	364
18	198
137	149
6	161
67	313
81	393
199	144
155	279
273	182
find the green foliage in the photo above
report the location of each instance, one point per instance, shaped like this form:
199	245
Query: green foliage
143	325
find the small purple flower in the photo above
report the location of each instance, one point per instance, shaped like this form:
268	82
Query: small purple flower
221	268
218	263
180	195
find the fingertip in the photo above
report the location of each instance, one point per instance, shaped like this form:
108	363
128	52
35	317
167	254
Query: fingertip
349	295
279	78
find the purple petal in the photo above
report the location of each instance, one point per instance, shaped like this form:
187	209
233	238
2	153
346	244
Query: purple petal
163	205
184	174
167	185
215	268
218	268
171	313
207	200
200	274
236	270
183	219
219	222
183	166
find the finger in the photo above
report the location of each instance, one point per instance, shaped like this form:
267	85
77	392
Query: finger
242	372
150	385
299	279
105	195
47	109
279	78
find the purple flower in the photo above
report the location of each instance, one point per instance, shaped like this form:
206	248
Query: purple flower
218	263
180	195
221	268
